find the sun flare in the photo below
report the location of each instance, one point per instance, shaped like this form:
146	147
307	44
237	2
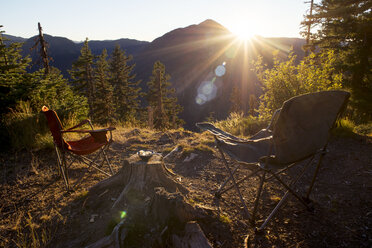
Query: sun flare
243	31
244	34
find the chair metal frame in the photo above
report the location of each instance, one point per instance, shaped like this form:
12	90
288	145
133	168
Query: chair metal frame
63	153
268	172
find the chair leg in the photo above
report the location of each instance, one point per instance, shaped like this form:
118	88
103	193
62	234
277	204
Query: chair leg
315	174
280	203
292	191
218	192
234	182
92	164
62	166
253	173
259	190
108	162
59	160
65	172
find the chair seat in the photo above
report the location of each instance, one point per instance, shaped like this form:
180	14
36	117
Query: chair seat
85	146
242	150
248	152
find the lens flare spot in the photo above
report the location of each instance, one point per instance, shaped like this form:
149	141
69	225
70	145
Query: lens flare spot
220	71
206	91
200	99
123	214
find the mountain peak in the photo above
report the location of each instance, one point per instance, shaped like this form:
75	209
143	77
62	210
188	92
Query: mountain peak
210	23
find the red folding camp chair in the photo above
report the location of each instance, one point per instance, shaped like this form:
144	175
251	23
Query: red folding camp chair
298	132
96	141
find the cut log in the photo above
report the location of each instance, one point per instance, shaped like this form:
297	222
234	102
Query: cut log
155	208
144	177
193	237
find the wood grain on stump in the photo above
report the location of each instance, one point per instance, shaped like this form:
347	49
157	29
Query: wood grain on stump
156	207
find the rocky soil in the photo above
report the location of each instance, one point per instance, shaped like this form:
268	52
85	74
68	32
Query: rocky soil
35	210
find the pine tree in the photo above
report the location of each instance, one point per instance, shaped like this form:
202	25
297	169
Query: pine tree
253	104
345	27
23	94
82	75
236	101
126	90
103	111
11	60
162	99
14	81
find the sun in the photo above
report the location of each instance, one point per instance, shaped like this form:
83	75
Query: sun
243	31
244	34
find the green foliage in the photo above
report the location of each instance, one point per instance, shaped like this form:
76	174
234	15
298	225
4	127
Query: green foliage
253	104
345	27
103	111
286	79
25	128
126	90
13	77
53	91
238	124
11	60
225	219
364	129
236	101
82	74
23	94
170	107
344	128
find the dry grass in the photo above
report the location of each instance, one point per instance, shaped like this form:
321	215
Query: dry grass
35	198
35	209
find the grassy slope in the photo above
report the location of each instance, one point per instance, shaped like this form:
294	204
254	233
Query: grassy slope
36	212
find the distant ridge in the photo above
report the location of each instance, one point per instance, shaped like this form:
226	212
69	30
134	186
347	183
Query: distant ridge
191	56
64	51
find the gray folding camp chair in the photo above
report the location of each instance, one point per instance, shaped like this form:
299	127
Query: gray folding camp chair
298	131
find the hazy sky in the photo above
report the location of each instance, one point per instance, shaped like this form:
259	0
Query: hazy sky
146	19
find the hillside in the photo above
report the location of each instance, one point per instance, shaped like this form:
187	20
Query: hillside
64	51
191	56
35	209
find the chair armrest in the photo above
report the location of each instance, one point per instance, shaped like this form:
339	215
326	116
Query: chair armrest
80	124
75	131
206	126
98	134
89	131
102	130
248	141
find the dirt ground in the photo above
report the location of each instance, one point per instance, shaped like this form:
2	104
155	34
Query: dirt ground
35	210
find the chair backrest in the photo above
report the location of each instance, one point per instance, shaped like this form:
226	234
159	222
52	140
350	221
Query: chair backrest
55	125
304	124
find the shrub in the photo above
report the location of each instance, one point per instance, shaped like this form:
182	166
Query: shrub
364	129
24	127
344	128
286	79
238	124
28	129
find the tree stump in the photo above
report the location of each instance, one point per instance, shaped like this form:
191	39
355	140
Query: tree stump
143	177
155	207
193	237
